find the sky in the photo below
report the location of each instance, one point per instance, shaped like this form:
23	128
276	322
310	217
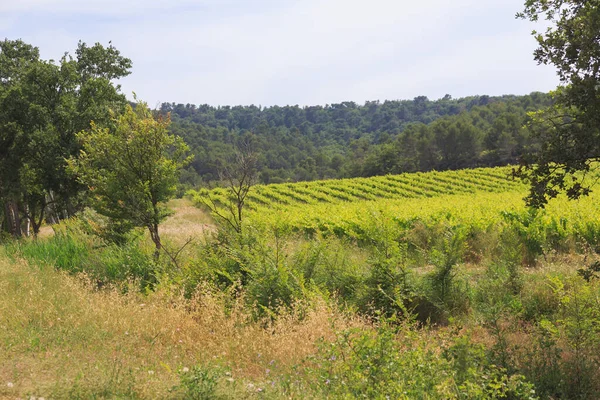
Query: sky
305	52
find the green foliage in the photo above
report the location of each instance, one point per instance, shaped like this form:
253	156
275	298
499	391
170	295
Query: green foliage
578	329
568	133
131	170
563	359
66	250
393	361
330	265
541	363
43	105
445	288
257	261
475	377
348	139
591	272
73	250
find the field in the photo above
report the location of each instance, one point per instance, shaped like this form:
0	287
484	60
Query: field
437	285
392	187
478	200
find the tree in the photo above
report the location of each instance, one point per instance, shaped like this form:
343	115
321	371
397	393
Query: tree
238	176
16	57
131	170
42	107
569	131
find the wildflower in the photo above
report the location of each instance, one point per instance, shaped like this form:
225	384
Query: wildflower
150	372
268	371
10	384
327	382
230	379
185	369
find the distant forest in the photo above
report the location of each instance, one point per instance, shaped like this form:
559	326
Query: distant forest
349	140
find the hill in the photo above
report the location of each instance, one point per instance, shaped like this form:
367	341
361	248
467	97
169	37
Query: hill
349	140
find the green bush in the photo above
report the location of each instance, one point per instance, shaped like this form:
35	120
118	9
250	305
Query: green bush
444	286
73	250
530	232
329	265
394	361
67	250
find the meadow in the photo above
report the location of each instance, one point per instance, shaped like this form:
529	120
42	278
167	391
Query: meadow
433	285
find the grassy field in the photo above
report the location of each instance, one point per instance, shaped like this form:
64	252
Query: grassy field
336	290
62	338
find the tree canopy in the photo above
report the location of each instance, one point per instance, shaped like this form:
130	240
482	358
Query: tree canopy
43	105
348	139
132	168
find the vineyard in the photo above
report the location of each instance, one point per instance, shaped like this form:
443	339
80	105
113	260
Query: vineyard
390	187
474	201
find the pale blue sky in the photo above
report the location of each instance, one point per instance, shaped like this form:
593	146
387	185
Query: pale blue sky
304	52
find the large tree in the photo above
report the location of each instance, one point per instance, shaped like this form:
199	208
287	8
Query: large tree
569	131
16	58
43	105
132	169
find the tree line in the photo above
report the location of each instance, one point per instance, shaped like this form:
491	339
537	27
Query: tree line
349	140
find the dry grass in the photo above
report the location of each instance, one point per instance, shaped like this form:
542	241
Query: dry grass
186	221
62	339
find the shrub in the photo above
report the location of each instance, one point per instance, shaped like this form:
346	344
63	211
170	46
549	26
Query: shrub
330	265
394	361
444	287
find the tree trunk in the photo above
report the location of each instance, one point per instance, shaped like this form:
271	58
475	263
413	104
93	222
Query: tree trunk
13	220
156	239
27	221
37	224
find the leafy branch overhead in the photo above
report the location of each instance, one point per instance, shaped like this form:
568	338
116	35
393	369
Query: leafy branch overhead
569	131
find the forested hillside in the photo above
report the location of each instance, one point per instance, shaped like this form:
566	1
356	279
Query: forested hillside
348	140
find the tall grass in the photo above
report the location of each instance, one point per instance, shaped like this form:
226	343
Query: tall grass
62	338
275	313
